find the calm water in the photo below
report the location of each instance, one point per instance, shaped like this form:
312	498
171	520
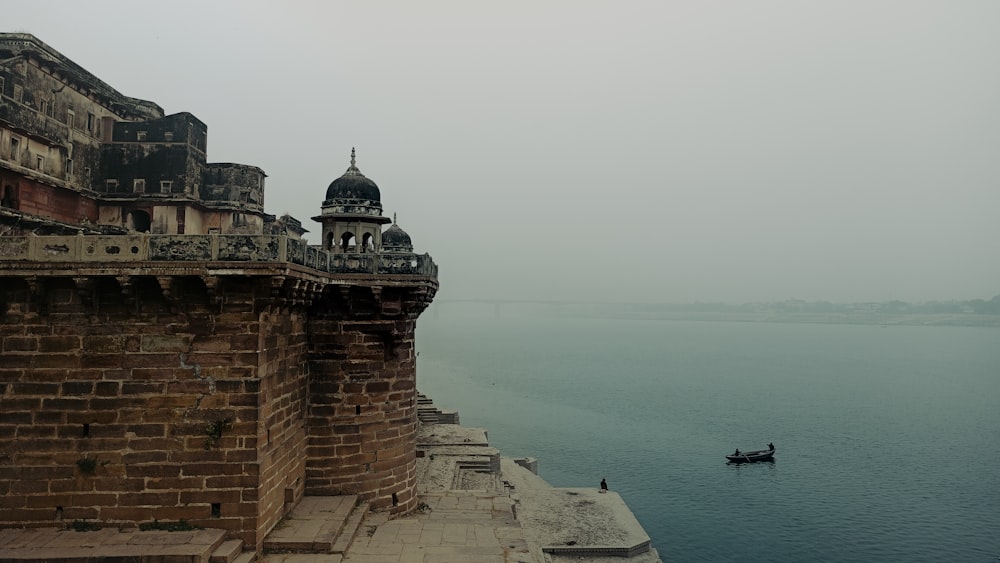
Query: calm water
887	438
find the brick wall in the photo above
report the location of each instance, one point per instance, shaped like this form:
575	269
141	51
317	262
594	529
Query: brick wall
283	405
123	406
362	392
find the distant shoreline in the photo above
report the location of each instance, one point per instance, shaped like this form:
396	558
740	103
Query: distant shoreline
888	320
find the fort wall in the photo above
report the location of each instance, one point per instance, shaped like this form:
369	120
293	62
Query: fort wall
168	351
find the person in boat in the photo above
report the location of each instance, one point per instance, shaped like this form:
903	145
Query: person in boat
737	451
604	485
771	446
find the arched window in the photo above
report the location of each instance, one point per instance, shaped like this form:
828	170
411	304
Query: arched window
368	243
347	242
329	242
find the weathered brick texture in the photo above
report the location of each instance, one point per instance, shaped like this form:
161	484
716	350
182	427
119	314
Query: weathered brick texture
362	439
128	408
218	403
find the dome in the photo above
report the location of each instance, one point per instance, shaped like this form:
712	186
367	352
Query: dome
395	239
353	185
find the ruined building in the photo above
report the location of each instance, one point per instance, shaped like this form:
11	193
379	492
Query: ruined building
169	351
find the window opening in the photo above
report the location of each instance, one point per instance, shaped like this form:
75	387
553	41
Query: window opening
139	221
180	220
139	185
346	240
165	186
9	197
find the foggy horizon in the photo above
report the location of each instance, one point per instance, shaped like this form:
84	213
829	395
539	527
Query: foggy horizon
658	152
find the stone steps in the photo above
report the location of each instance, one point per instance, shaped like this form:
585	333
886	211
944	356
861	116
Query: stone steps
350	529
318	525
227	552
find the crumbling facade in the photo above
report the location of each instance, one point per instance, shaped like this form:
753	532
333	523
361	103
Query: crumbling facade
168	351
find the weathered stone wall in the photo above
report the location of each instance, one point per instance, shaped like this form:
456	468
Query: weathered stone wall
238	184
37	198
170	149
362	391
133	400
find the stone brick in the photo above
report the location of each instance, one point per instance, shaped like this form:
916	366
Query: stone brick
231	482
58	344
77	388
92	417
100	361
66	404
165	343
209	496
104	344
171	401
176	483
32	388
168	498
20	344
126	514
54	361
107	388
176	513
155	361
21	360
141	388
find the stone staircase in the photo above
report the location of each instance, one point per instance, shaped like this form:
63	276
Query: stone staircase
427	413
318	524
231	551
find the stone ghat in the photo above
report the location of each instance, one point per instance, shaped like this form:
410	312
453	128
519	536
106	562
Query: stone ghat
558	524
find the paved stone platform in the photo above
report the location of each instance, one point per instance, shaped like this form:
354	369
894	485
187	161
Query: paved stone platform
109	544
572	524
449	527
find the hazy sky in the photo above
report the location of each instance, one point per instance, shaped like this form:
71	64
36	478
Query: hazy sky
611	151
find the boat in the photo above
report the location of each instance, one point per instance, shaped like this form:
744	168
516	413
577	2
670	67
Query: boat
750	457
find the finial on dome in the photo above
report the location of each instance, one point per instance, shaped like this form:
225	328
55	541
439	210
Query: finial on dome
352	156
393	217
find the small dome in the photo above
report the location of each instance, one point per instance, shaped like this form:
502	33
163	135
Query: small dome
395	239
353	185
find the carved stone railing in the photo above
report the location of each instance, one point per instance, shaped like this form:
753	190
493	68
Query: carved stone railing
208	248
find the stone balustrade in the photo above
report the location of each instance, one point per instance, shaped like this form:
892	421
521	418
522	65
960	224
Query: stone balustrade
208	248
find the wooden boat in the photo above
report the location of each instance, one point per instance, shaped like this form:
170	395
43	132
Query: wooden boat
750	457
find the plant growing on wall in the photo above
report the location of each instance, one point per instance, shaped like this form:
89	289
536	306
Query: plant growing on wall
214	430
88	465
83	526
